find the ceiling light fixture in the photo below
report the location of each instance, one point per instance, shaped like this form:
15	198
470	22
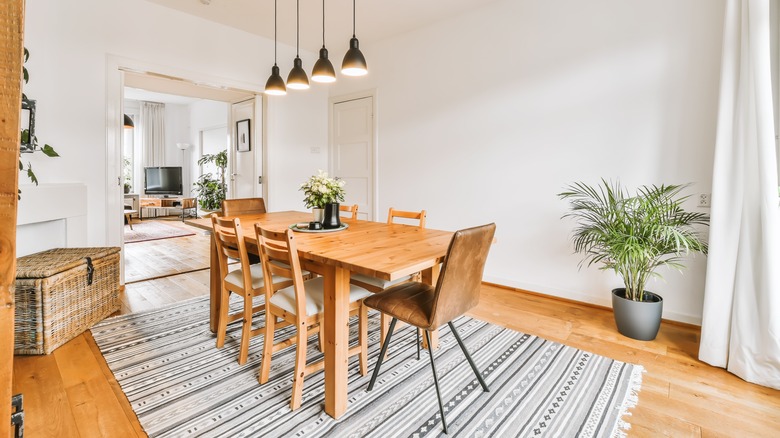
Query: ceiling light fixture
323	70
129	122
297	79
275	85
354	63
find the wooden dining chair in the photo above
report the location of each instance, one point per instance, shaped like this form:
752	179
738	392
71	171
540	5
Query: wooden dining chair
242	206
375	284
429	307
247	281
351	209
302	304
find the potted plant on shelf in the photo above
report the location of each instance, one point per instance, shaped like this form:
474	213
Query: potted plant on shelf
323	194
211	190
634	236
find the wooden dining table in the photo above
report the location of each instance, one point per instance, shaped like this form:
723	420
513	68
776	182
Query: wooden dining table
385	251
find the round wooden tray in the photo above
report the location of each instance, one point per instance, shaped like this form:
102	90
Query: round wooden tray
295	227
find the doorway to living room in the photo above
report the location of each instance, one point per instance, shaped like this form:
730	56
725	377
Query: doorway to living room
194	120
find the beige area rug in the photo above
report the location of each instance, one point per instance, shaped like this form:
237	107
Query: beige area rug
153	230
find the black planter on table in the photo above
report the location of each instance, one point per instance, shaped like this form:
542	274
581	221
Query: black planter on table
332	217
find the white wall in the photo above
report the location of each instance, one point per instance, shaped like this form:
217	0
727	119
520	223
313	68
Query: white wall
70	43
486	116
294	123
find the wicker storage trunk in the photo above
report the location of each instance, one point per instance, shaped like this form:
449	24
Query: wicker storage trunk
62	292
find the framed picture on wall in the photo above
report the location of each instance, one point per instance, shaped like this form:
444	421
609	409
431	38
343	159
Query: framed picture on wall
243	140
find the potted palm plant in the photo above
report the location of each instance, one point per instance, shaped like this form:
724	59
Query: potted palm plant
634	236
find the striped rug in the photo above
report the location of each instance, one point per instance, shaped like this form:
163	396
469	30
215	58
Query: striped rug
179	384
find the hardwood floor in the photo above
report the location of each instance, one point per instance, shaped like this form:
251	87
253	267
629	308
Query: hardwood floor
165	257
72	393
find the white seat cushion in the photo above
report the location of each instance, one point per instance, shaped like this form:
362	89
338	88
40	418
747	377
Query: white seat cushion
315	301
378	282
256	272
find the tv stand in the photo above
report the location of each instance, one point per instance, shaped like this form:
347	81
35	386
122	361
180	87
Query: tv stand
157	204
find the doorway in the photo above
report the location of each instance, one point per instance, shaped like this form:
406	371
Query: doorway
352	150
184	151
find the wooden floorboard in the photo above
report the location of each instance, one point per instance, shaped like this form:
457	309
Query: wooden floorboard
72	393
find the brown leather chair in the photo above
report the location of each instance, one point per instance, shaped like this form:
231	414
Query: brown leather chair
246	281
189	208
242	206
351	209
301	305
429	307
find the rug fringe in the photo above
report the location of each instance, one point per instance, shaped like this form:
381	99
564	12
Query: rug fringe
632	398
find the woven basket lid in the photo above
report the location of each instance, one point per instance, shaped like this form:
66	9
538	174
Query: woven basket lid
53	261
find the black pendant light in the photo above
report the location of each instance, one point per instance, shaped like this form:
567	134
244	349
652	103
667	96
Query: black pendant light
354	63
323	70
275	85
129	122
297	79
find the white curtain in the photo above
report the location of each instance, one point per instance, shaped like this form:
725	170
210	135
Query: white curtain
153	133
741	320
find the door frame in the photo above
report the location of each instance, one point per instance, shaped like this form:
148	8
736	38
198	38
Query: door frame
116	66
332	101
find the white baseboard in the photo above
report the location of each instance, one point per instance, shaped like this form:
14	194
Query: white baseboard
606	301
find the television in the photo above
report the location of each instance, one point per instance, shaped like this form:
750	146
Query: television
162	181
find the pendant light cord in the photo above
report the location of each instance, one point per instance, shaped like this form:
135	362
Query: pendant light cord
297	27
353	18
274	32
323	23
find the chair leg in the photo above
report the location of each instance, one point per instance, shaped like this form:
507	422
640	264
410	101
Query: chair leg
384	324
417	332
381	355
436	382
363	338
468	357
246	330
300	367
224	304
320	341
268	346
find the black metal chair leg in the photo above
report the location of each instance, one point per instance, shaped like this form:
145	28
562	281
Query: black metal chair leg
468	357
417	332
382	355
436	381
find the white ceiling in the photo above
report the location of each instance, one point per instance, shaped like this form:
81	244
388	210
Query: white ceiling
376	19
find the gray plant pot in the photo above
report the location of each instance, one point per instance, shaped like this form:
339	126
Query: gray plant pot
637	319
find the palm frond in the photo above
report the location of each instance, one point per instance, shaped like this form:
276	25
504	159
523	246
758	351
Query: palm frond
633	234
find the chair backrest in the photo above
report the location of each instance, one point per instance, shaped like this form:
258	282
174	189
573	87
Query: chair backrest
351	209
189	203
457	290
393	214
241	206
279	256
229	239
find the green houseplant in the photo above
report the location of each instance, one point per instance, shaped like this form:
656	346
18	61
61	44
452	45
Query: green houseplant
211	190
634	235
320	191
28	138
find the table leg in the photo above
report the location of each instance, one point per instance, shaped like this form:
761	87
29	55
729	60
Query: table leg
431	276
214	286
336	339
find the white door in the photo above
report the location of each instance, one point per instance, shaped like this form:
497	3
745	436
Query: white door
246	152
352	151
